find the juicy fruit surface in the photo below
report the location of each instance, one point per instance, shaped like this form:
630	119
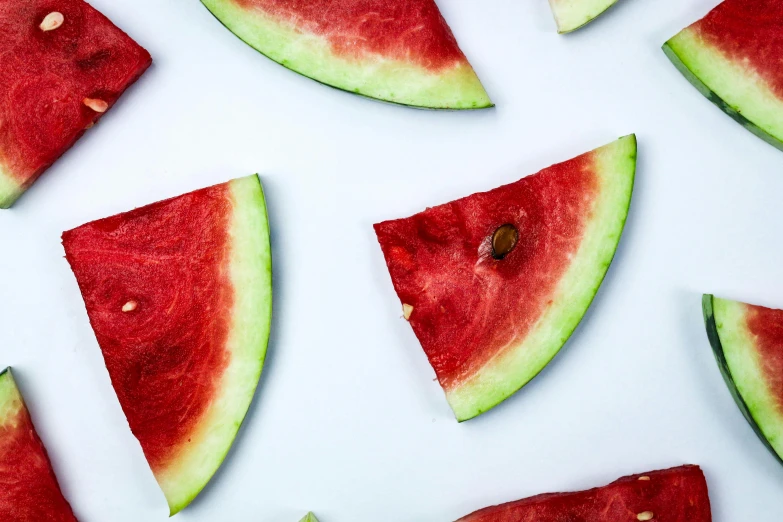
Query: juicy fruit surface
672	495
45	77
28	488
570	15
468	306
766	327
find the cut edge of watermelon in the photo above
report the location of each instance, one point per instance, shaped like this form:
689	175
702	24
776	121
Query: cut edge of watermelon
387	80
571	16
10	189
736	89
251	275
517	365
732	345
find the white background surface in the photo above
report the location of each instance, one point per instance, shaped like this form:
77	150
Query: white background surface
348	421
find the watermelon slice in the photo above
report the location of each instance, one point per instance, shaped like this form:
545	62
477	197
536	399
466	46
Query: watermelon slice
62	65
671	495
748	344
179	294
733	56
310	517
495	283
570	15
29	491
400	52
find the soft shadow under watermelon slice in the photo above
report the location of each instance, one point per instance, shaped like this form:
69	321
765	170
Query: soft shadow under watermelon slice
29	491
490	323
748	344
55	83
179	294
671	495
400	52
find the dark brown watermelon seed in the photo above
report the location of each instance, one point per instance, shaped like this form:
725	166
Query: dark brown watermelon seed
504	240
52	21
96	104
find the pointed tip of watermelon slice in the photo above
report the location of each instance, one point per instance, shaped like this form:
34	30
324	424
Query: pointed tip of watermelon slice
571	15
310	517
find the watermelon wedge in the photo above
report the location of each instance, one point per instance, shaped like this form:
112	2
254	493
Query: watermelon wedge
310	517
62	65
570	15
495	283
748	344
29	491
400	52
732	56
179	294
671	495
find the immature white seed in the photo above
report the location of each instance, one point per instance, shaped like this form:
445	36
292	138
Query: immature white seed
407	310
96	104
644	478
645	515
52	21
129	306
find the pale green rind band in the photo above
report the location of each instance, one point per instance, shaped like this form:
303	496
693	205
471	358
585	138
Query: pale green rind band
310	517
11	402
570	15
384	79
515	366
251	277
733	86
10	189
738	359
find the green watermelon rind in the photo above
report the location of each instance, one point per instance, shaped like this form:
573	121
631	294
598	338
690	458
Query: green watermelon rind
251	275
504	375
733	347
735	88
11	401
10	189
310	517
392	81
577	14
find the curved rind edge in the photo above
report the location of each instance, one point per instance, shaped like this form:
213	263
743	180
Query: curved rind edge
480	101
563	28
255	319
713	335
466	402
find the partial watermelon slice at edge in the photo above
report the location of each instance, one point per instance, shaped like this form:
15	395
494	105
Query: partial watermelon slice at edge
571	15
183	469
310	517
738	348
419	263
30	490
337	57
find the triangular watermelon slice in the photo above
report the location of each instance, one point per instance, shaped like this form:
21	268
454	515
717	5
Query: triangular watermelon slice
179	294
28	488
748	344
570	15
733	57
62	65
400	52
671	495
495	283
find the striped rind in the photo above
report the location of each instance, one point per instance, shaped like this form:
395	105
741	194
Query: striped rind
376	77
733	86
739	362
570	15
516	365
251	276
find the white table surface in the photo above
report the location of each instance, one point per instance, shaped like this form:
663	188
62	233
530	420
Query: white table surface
347	420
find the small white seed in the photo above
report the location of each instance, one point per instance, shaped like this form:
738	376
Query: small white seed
129	306
645	515
52	21
644	478
407	310
96	104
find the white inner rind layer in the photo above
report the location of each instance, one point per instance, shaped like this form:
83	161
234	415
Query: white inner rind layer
614	165
372	75
734	86
745	366
570	15
10	189
11	402
251	277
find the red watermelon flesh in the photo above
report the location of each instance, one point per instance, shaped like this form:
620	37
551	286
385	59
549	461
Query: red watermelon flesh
489	325
672	495
179	297
28	488
56	83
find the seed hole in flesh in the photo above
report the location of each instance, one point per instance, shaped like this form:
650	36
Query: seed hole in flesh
96	104
52	21
130	306
504	240
645	515
407	310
